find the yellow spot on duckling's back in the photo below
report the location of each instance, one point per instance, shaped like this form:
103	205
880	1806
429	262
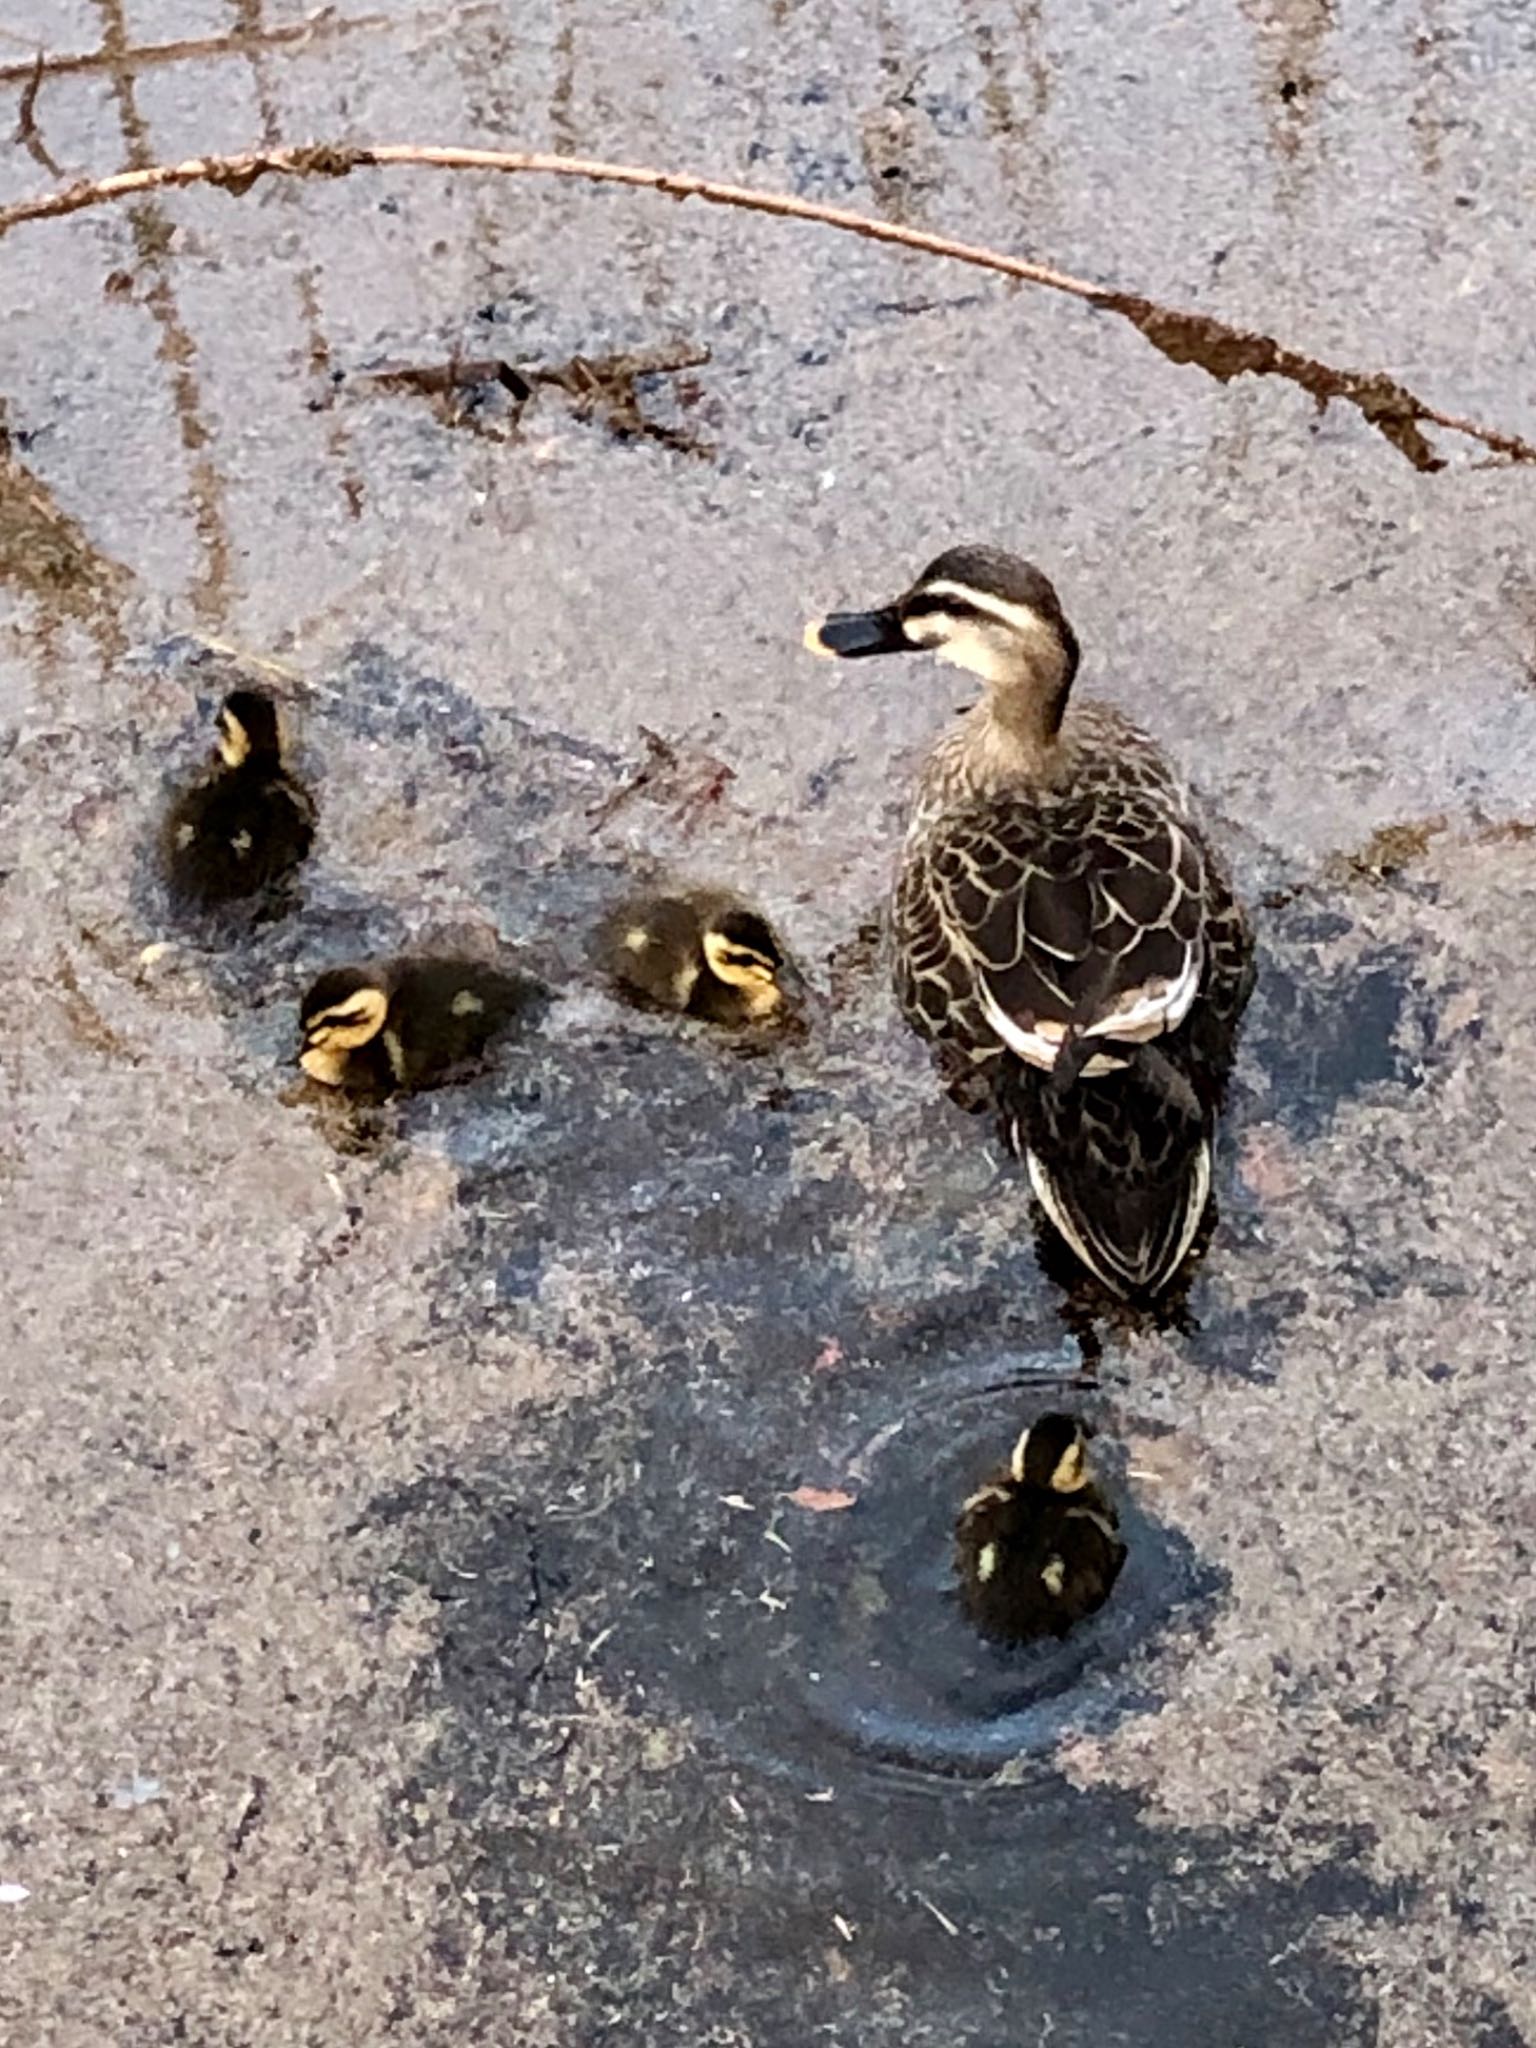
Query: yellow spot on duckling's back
986	1562
636	939
1054	1577
467	1004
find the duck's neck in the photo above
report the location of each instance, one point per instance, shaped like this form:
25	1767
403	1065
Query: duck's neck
1015	729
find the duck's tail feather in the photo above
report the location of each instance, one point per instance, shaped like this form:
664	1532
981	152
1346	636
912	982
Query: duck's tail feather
1121	1165
1133	1239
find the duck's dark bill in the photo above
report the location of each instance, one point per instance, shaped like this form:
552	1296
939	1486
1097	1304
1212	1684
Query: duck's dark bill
853	633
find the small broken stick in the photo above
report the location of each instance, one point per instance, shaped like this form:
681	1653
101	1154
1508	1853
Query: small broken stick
28	134
687	779
459	385
606	388
601	388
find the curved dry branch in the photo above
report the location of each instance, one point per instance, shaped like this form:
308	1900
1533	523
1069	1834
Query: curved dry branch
1220	349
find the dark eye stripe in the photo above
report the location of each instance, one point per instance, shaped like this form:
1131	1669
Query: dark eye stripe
327	1018
925	607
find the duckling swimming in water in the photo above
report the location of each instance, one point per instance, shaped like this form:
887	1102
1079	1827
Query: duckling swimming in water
400	1025
1062	923
700	951
237	835
1037	1546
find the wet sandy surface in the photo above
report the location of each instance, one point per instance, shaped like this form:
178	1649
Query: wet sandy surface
408	1630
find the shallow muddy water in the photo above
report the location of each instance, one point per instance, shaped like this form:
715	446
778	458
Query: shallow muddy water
414	1623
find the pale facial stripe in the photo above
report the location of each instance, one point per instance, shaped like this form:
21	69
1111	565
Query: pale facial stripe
1019	618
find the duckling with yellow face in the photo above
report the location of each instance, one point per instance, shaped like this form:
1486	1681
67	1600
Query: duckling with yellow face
236	836
400	1025
702	952
1037	1546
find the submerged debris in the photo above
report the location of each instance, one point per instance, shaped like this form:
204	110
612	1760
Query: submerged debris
684	778
1225	352
489	395
822	1500
1389	850
27	132
607	388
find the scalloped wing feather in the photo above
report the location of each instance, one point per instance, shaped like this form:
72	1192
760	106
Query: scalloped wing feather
1023	924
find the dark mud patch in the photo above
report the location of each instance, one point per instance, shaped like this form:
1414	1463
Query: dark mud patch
1337	1015
743	1203
1324	1039
671	1887
722	1753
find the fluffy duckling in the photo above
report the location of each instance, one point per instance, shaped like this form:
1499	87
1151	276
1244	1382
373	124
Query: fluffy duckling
1037	1545
701	951
1058	909
404	1024
241	830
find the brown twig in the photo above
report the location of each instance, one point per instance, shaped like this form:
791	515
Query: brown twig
324	22
605	388
684	776
1222	350
27	132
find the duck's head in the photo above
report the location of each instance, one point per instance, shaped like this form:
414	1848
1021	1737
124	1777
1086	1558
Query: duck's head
981	609
249	728
344	1010
1052	1453
741	951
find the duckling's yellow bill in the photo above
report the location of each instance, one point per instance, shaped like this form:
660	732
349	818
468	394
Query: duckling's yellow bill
848	635
322	1065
